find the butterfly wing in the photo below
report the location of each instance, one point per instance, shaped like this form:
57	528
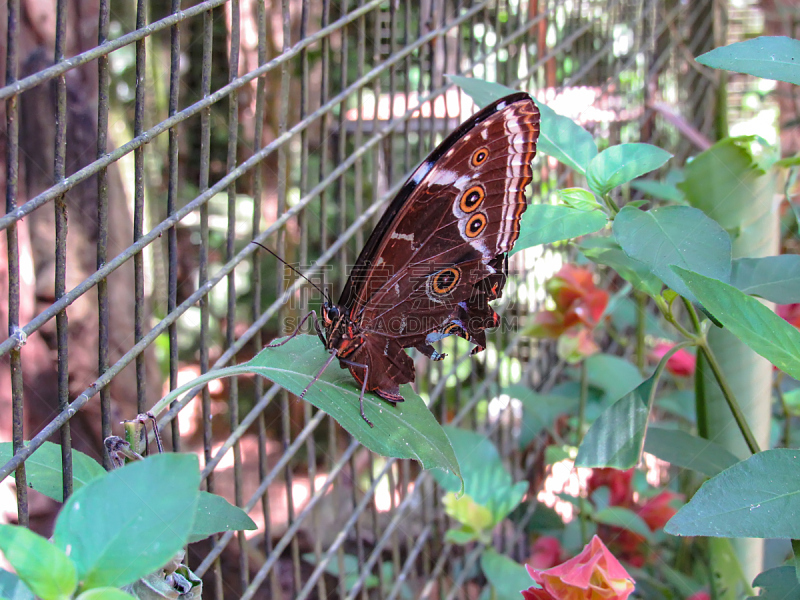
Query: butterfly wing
438	254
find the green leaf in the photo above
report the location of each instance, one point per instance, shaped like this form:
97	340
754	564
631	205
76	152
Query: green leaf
775	57
606	251
45	569
724	180
612	374
661	190
123	526
407	430
539	411
619	516
482	92
13	588
105	593
214	514
674	235
774	278
578	198
43	469
559	136
779	583
507	577
688	451
749	320
757	498
565	140
615	438
622	163
545	224
486	479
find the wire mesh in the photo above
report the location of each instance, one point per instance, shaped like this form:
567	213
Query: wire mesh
169	138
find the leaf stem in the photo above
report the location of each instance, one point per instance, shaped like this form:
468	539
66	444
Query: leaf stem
612	206
641	322
730	397
584	393
787	414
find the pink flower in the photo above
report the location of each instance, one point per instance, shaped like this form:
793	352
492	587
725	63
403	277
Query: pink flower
592	575
682	363
790	313
701	595
546	553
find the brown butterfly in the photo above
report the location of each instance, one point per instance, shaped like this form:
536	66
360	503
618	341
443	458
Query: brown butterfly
439	254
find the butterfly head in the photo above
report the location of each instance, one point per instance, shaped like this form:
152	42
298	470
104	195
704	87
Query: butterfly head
340	332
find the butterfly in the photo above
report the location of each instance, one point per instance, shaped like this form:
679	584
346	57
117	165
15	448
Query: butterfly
438	255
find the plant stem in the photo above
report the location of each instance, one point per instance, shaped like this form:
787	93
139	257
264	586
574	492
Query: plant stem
730	398
692	314
787	414
611	204
641	322
581	419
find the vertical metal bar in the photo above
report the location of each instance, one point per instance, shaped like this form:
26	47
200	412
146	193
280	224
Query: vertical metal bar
258	193
172	195
341	150
324	128
205	337
138	208
12	188
60	284
103	80
230	251
358	167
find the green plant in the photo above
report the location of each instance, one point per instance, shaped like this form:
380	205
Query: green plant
122	529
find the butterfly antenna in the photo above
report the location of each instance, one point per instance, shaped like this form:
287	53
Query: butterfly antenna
324	295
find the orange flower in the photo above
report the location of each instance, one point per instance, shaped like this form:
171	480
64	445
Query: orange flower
682	363
592	575
579	307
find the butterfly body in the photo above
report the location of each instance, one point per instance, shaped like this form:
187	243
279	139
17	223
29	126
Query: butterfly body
439	254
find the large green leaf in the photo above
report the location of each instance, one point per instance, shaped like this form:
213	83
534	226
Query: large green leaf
660	190
612	374
407	430
768	57
486	479
749	320
779	583
606	251
622	163
44	568
123	526
723	181
545	224
508	578
539	411
559	137
774	278
13	588
674	235
615	438
43	469
688	451
215	514
757	498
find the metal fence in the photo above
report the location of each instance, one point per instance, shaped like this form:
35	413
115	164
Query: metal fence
145	146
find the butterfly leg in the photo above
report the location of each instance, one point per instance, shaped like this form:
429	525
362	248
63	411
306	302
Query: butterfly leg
319	374
363	387
296	331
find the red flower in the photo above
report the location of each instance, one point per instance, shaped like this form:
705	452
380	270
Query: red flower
701	595
682	363
658	510
592	575
790	313
618	482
